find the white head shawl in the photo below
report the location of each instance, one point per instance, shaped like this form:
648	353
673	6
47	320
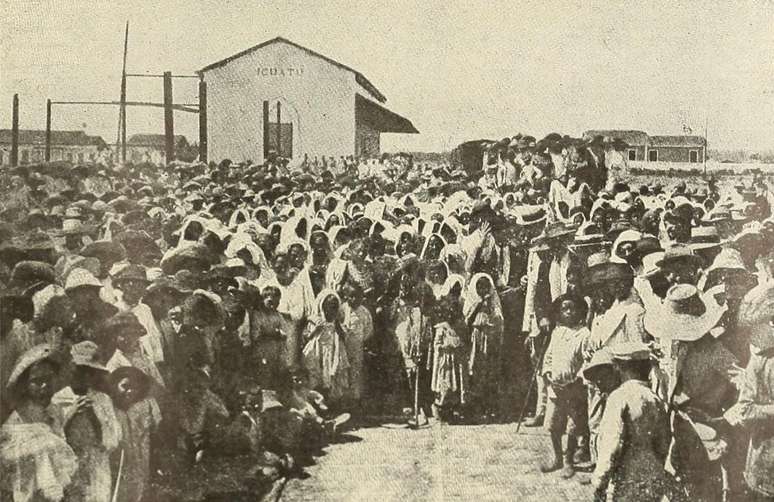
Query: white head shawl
471	299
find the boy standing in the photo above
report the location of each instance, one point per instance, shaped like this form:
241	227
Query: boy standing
566	394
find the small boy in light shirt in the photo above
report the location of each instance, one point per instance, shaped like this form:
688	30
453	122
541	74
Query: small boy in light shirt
562	364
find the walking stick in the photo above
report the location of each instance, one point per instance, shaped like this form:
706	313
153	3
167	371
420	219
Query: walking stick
114	498
538	367
416	398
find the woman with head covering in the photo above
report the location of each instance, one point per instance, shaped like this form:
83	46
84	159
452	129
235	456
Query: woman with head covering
325	355
37	462
358	327
273	341
90	424
484	319
450	337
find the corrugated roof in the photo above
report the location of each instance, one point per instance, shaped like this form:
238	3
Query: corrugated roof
631	137
58	138
153	140
359	77
680	141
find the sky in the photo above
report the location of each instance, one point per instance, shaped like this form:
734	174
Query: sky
459	69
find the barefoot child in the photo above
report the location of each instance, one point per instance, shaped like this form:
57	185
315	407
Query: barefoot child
566	395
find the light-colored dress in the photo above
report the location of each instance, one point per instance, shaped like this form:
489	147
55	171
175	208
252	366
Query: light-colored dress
36	462
358	327
93	479
325	358
137	424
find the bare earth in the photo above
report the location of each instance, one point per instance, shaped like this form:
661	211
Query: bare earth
442	463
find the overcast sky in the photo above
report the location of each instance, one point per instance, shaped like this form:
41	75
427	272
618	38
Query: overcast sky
459	69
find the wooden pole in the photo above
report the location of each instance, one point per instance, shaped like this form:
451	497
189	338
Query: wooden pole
15	132
265	130
48	130
202	120
169	119
122	111
279	128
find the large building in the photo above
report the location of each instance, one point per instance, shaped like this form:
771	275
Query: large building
71	146
643	147
279	96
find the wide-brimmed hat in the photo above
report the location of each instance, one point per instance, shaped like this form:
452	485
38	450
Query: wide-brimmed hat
529	215
679	252
727	259
552	232
601	269
142	381
29	358
75	227
125	323
601	360
80	277
630	351
704	237
685	315
30	276
589	234
192	256
131	273
86	354
107	252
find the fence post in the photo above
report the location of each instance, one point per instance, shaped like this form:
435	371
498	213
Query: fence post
202	121
169	119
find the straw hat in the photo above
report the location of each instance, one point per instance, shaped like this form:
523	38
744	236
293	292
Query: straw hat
680	252
80	277
601	360
630	351
131	273
601	269
26	360
685	315
551	233
85	354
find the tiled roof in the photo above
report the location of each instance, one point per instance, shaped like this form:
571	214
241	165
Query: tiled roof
58	138
684	141
153	140
630	137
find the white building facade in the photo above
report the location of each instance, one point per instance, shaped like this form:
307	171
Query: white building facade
325	108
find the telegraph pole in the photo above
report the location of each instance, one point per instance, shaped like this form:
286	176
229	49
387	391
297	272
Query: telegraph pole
169	119
15	132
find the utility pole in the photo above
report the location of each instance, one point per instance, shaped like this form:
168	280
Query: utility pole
15	132
122	110
48	130
202	120
169	119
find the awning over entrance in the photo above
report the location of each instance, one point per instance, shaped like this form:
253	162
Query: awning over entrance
380	118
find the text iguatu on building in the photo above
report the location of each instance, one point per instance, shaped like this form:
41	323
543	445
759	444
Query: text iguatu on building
324	107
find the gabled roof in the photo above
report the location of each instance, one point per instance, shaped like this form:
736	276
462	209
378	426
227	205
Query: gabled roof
152	140
630	137
58	138
359	77
683	141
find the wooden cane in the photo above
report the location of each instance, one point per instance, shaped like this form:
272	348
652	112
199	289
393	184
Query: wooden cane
114	498
538	367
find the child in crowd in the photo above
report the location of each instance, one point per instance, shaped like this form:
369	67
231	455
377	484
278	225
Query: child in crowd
139	416
562	363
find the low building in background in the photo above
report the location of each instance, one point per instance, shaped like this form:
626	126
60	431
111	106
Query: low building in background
142	148
643	147
70	146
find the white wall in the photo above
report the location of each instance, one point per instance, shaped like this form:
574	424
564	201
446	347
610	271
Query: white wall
318	97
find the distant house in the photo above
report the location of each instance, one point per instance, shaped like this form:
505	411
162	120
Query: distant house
71	146
643	147
151	148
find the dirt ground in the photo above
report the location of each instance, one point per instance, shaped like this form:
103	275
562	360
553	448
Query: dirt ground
441	463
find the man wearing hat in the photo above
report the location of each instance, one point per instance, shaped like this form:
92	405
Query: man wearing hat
84	291
634	435
132	281
91	425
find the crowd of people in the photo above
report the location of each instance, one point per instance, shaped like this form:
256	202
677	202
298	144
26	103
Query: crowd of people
154	319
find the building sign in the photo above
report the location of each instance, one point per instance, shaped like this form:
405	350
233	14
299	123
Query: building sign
277	71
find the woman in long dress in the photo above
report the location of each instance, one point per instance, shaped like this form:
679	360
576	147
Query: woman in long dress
324	355
484	319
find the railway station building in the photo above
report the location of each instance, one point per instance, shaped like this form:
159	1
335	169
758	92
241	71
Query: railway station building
279	96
